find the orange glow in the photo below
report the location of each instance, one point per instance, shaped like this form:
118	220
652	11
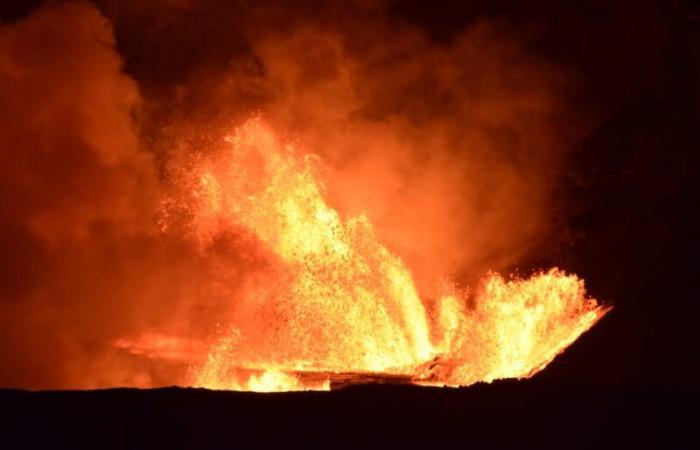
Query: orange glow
334	303
157	346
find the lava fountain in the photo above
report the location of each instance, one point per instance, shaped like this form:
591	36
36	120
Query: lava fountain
334	305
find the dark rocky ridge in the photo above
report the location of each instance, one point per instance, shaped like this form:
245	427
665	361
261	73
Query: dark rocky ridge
529	414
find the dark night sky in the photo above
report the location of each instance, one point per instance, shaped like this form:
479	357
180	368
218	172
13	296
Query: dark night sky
629	192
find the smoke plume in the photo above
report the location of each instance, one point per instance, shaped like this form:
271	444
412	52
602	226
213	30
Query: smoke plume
450	148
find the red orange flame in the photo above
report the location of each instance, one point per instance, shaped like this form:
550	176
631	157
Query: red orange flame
336	302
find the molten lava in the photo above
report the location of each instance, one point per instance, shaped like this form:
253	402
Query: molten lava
334	305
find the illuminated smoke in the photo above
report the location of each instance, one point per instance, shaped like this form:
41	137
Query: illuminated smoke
448	150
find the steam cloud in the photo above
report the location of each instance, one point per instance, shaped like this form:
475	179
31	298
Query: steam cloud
451	149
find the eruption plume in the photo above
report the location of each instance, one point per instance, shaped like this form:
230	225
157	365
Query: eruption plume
277	208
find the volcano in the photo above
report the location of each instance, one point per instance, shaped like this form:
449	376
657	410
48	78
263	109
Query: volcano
233	223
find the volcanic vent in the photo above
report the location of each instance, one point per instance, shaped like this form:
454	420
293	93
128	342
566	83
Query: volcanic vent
333	305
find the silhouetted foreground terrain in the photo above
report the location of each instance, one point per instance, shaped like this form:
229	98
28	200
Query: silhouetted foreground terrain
531	414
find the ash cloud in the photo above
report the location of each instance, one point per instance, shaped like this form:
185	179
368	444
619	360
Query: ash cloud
450	148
